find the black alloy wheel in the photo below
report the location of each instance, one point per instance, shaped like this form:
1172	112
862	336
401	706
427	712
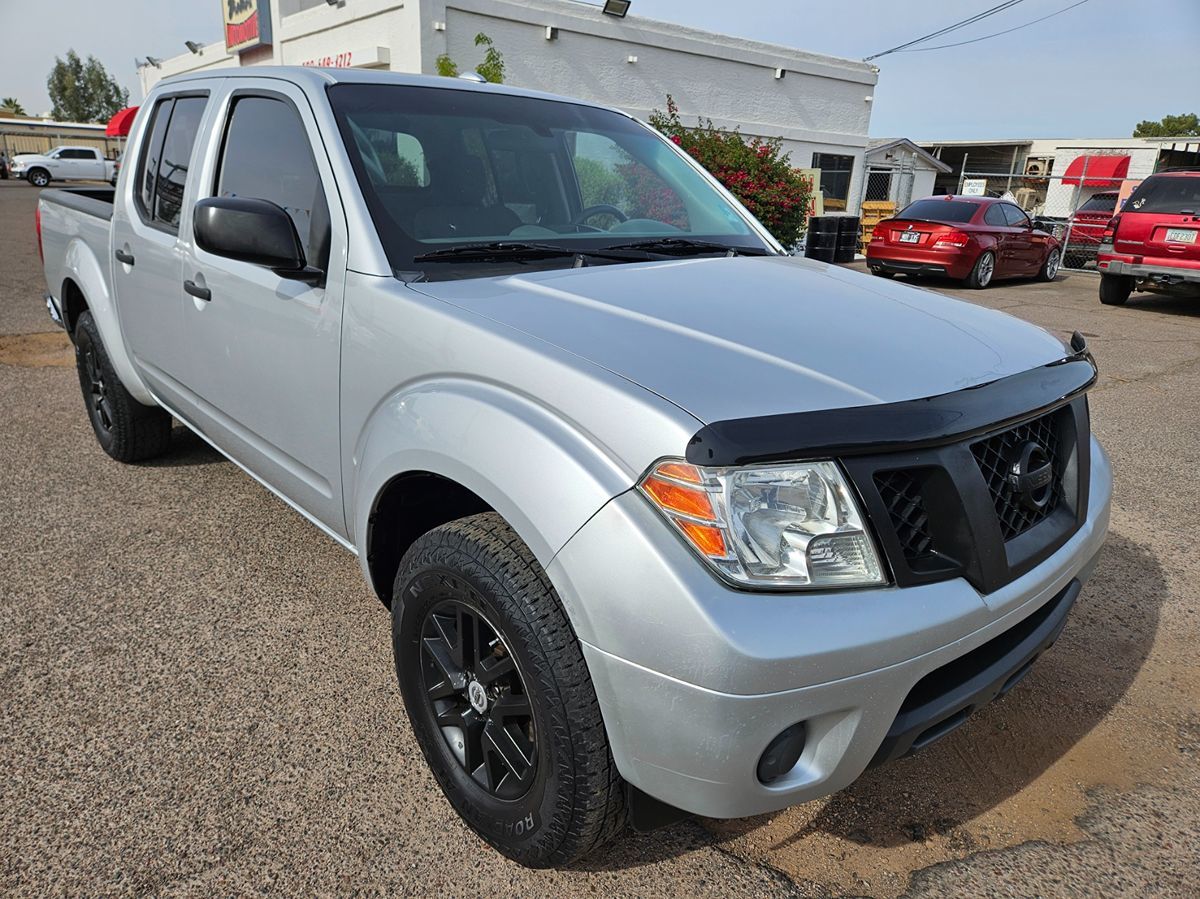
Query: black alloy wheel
477	698
96	390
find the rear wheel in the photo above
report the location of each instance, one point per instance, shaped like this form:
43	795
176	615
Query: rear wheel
1115	289
38	177
499	696
125	429
1049	268
981	274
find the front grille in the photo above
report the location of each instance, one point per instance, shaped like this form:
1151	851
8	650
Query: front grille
901	493
995	456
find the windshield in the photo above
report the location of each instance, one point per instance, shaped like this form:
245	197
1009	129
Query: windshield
1174	195
442	168
940	211
1099	203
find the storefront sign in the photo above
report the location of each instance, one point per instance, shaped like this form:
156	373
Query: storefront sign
247	24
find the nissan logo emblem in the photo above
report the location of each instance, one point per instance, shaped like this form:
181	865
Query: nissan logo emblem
1032	476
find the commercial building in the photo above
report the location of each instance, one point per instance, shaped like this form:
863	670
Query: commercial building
819	105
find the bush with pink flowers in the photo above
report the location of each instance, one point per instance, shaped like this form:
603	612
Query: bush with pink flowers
756	171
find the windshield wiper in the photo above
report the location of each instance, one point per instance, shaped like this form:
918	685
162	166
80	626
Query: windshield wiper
516	251
682	246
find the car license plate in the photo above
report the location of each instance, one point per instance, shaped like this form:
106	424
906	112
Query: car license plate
914	236
1181	235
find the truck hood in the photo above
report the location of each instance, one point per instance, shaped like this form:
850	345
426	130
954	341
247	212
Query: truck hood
740	337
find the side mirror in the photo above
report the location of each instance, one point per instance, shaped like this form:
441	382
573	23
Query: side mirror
255	231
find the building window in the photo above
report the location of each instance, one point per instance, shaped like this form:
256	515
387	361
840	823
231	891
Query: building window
835	177
879	186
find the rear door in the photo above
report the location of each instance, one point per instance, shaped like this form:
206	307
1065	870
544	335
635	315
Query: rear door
145	241
91	165
1161	221
263	352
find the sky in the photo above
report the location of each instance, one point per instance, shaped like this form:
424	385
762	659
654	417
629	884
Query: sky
1093	71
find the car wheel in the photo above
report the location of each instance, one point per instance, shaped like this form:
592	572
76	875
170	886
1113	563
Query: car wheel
38	177
1115	289
981	274
499	696
126	429
1050	267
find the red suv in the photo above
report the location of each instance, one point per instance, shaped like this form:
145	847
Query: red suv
1087	229
1153	243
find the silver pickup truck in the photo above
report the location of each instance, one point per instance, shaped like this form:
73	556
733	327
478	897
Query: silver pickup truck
667	521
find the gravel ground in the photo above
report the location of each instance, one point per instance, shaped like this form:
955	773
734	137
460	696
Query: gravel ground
197	694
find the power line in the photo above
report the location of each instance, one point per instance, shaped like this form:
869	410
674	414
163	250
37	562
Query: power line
998	33
1000	7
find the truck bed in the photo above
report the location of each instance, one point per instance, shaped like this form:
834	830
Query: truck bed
94	201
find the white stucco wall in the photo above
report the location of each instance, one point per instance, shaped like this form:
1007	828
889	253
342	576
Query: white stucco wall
820	106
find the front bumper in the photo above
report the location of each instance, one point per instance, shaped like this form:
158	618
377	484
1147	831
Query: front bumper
695	679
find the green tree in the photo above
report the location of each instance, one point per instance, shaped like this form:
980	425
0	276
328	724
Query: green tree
1185	125
12	104
83	91
754	170
492	67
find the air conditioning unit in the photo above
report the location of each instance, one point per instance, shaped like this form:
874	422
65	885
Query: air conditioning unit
1038	165
1026	197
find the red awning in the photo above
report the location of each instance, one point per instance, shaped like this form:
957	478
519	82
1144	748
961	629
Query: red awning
1102	171
119	124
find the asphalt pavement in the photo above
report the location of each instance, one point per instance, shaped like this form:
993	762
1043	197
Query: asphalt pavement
197	694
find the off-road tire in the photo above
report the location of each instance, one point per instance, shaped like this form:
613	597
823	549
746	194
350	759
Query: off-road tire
576	801
981	276
1115	289
125	429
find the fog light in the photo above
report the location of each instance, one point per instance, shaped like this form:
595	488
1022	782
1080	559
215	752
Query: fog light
781	755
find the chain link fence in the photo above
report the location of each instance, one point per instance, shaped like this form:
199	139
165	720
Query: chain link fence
1075	206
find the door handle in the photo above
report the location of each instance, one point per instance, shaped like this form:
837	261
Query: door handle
200	293
122	256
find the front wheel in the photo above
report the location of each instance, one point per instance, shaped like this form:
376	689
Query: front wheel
499	697
39	177
1049	268
1115	289
125	429
981	273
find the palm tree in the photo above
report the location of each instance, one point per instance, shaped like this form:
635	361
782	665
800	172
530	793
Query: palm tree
14	104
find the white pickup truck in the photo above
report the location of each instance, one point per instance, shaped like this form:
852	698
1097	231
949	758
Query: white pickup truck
666	520
64	164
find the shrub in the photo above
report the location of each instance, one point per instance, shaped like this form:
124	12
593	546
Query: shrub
756	171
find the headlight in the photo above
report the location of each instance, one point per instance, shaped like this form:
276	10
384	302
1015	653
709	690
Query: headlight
796	525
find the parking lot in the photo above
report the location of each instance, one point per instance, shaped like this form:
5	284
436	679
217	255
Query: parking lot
197	693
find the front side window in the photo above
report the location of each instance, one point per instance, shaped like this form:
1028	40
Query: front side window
267	156
1016	218
482	168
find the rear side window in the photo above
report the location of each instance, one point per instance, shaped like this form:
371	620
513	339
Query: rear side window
940	211
267	156
1170	194
162	174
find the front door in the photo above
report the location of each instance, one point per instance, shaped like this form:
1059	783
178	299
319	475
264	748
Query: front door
263	351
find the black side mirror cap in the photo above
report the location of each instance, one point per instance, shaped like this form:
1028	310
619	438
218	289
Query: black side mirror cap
255	231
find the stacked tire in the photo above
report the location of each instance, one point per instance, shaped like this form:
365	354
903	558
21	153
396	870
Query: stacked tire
832	238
